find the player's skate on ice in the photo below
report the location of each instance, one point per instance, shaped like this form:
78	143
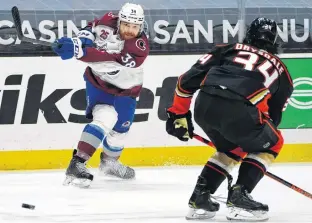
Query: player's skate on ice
111	166
114	48
244	88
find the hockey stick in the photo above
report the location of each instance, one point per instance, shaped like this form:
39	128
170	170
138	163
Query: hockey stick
18	27
271	175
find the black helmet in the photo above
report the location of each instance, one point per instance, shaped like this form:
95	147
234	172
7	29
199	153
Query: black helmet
262	33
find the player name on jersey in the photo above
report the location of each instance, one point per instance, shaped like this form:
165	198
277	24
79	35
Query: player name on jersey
267	55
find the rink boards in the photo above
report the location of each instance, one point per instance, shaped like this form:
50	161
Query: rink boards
42	114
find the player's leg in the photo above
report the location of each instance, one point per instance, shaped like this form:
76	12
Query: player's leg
103	116
217	168
258	136
113	143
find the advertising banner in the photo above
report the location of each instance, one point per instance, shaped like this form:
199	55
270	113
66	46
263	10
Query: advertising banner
42	102
299	111
171	31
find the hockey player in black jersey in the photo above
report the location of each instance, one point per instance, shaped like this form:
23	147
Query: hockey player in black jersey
243	90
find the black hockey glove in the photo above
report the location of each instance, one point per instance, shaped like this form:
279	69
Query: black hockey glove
180	126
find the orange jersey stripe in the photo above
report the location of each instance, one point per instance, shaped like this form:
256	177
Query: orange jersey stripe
180	105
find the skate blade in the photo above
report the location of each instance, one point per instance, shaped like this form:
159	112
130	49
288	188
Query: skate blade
113	176
239	214
81	183
199	214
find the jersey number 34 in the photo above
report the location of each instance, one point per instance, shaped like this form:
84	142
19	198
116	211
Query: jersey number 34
250	61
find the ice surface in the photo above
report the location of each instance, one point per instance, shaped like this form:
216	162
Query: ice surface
158	194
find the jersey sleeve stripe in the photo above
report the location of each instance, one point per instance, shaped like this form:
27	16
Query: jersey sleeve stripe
181	94
257	92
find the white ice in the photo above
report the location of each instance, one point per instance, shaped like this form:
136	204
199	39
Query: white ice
159	194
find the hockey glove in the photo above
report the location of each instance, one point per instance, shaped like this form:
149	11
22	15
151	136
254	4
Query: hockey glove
87	38
67	48
180	126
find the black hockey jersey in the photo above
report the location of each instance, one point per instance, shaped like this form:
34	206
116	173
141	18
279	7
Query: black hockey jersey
252	73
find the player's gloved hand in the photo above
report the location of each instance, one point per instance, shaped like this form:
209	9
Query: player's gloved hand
180	126
67	48
87	38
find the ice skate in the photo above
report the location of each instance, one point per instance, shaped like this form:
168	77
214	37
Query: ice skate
242	207
77	174
112	167
200	203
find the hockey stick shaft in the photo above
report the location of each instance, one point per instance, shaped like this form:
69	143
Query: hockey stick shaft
18	27
271	175
290	185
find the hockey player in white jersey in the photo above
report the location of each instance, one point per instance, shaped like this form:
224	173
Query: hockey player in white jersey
114	49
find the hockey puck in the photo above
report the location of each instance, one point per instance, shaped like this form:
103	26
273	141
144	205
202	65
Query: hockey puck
29	206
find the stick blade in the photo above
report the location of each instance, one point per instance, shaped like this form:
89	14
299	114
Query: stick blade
18	27
17	22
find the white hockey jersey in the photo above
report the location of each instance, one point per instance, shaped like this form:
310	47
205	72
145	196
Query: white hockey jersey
114	65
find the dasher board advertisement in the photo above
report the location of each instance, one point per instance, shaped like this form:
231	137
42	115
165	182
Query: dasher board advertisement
42	103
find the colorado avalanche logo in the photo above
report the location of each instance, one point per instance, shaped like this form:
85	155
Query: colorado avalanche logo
140	44
126	124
